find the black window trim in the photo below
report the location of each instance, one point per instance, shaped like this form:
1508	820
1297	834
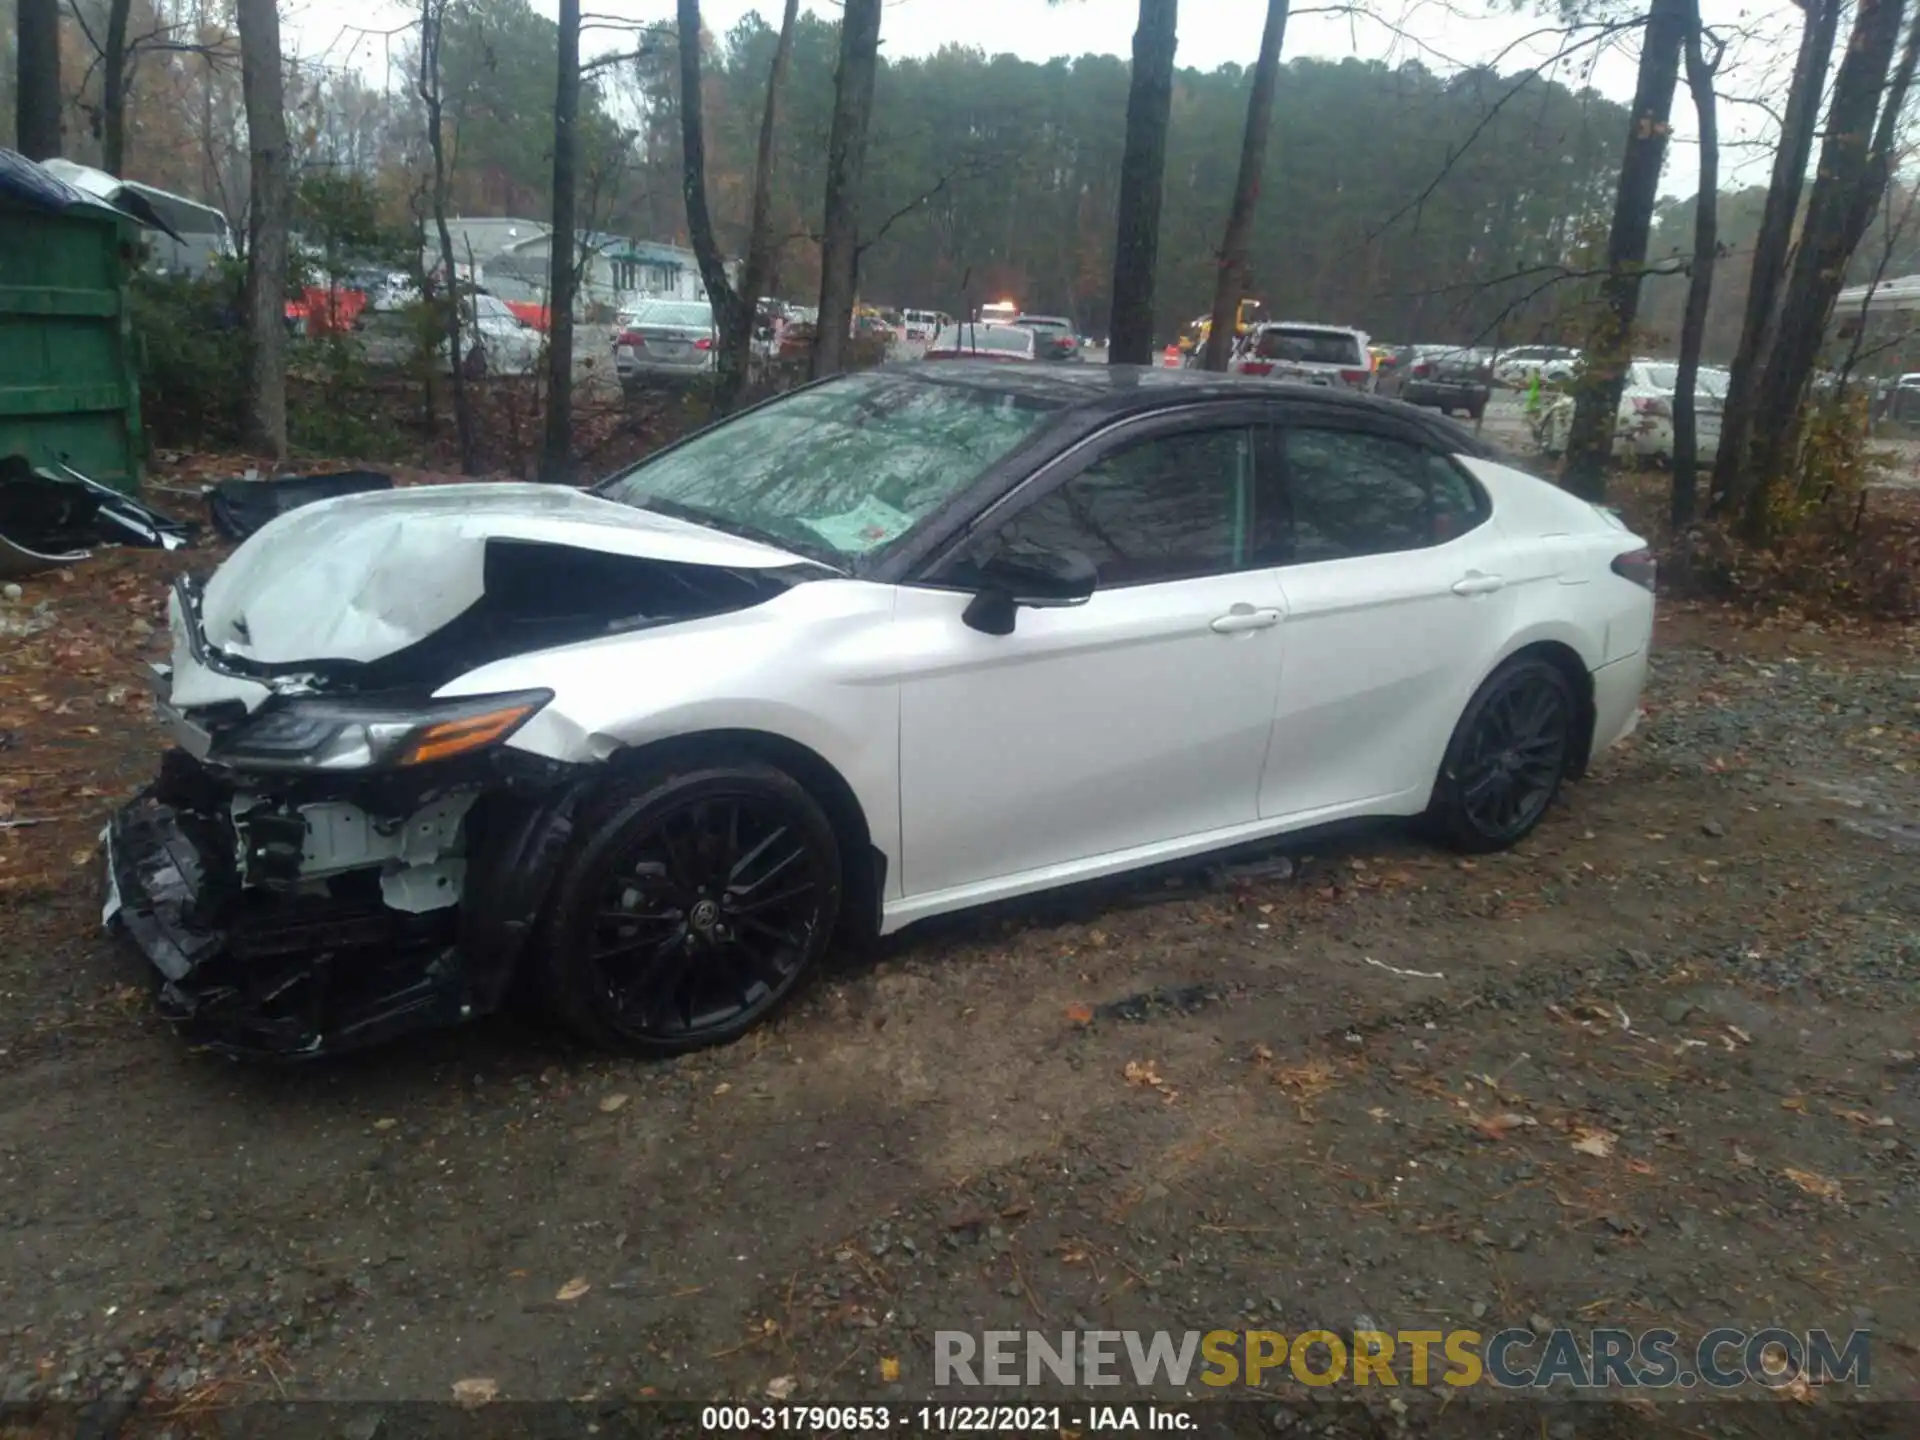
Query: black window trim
1251	413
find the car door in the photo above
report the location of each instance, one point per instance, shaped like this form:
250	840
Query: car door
1140	716
1397	605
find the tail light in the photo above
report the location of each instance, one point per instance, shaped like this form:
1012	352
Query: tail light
1356	377
628	337
705	342
1256	367
1637	566
1652	407
1422	370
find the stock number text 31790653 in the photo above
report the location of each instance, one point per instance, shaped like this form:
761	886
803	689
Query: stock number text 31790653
849	1419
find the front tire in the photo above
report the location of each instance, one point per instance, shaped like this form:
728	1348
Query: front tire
1506	759
694	903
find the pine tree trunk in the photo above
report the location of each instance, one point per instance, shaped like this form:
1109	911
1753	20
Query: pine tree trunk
1143	167
113	90
556	451
1869	93
36	96
1770	251
1232	281
757	277
1610	341
432	22
1706	246
268	214
846	165
693	183
733	309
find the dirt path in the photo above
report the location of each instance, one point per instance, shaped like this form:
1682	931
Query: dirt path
1296	1102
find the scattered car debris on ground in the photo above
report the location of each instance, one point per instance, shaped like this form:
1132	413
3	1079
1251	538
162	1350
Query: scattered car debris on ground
49	518
240	507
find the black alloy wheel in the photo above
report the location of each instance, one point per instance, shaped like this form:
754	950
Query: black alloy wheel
692	907
1507	757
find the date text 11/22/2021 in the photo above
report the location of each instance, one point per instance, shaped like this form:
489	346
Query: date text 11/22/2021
943	1419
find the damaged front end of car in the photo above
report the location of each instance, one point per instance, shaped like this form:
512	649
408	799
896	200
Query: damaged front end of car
326	872
335	853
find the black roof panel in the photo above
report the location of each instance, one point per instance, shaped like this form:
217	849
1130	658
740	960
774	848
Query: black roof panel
1120	390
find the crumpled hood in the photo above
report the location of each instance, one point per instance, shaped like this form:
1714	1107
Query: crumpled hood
363	576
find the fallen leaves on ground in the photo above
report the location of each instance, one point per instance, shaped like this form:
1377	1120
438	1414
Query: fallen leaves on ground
574	1288
1146	1073
478	1390
889	1369
611	1103
1813	1184
1598	1143
781	1386
1498	1127
1306	1080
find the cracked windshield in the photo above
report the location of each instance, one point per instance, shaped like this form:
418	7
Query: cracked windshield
839	471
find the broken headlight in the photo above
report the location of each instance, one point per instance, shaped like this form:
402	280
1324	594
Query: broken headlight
315	734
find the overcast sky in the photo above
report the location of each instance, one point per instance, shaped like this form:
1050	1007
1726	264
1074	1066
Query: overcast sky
1443	34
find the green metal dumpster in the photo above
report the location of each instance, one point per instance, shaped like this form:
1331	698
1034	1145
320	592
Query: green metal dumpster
69	390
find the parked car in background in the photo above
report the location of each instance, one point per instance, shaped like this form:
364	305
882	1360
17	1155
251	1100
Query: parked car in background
1308	354
1054	336
984	340
904	642
1448	380
665	340
1643	426
922	324
498	342
1554	364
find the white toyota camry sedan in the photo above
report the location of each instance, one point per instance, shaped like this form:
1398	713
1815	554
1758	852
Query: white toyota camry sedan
887	646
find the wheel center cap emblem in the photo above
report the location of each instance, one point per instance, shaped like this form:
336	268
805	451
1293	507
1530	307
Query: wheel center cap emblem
704	914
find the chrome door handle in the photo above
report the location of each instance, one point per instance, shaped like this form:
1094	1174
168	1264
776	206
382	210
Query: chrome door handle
1475	583
1242	618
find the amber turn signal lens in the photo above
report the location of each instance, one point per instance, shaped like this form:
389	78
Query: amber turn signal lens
456	737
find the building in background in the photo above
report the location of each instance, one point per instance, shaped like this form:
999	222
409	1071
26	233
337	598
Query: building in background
511	258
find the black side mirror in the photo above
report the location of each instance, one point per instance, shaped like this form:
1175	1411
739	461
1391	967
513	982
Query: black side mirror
1037	581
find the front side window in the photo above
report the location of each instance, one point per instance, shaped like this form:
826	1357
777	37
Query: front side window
1168	508
840	470
1355	494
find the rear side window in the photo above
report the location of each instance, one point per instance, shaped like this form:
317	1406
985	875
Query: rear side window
1308	347
1352	494
1010	338
1168	508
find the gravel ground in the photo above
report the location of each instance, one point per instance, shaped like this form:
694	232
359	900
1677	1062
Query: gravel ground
1366	1090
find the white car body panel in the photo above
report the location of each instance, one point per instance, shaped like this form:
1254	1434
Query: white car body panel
819	665
1090	729
1381	656
361	576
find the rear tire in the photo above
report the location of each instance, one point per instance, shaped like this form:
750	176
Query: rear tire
693	905
1506	759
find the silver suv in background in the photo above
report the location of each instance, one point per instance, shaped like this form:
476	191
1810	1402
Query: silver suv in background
1307	354
664	340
